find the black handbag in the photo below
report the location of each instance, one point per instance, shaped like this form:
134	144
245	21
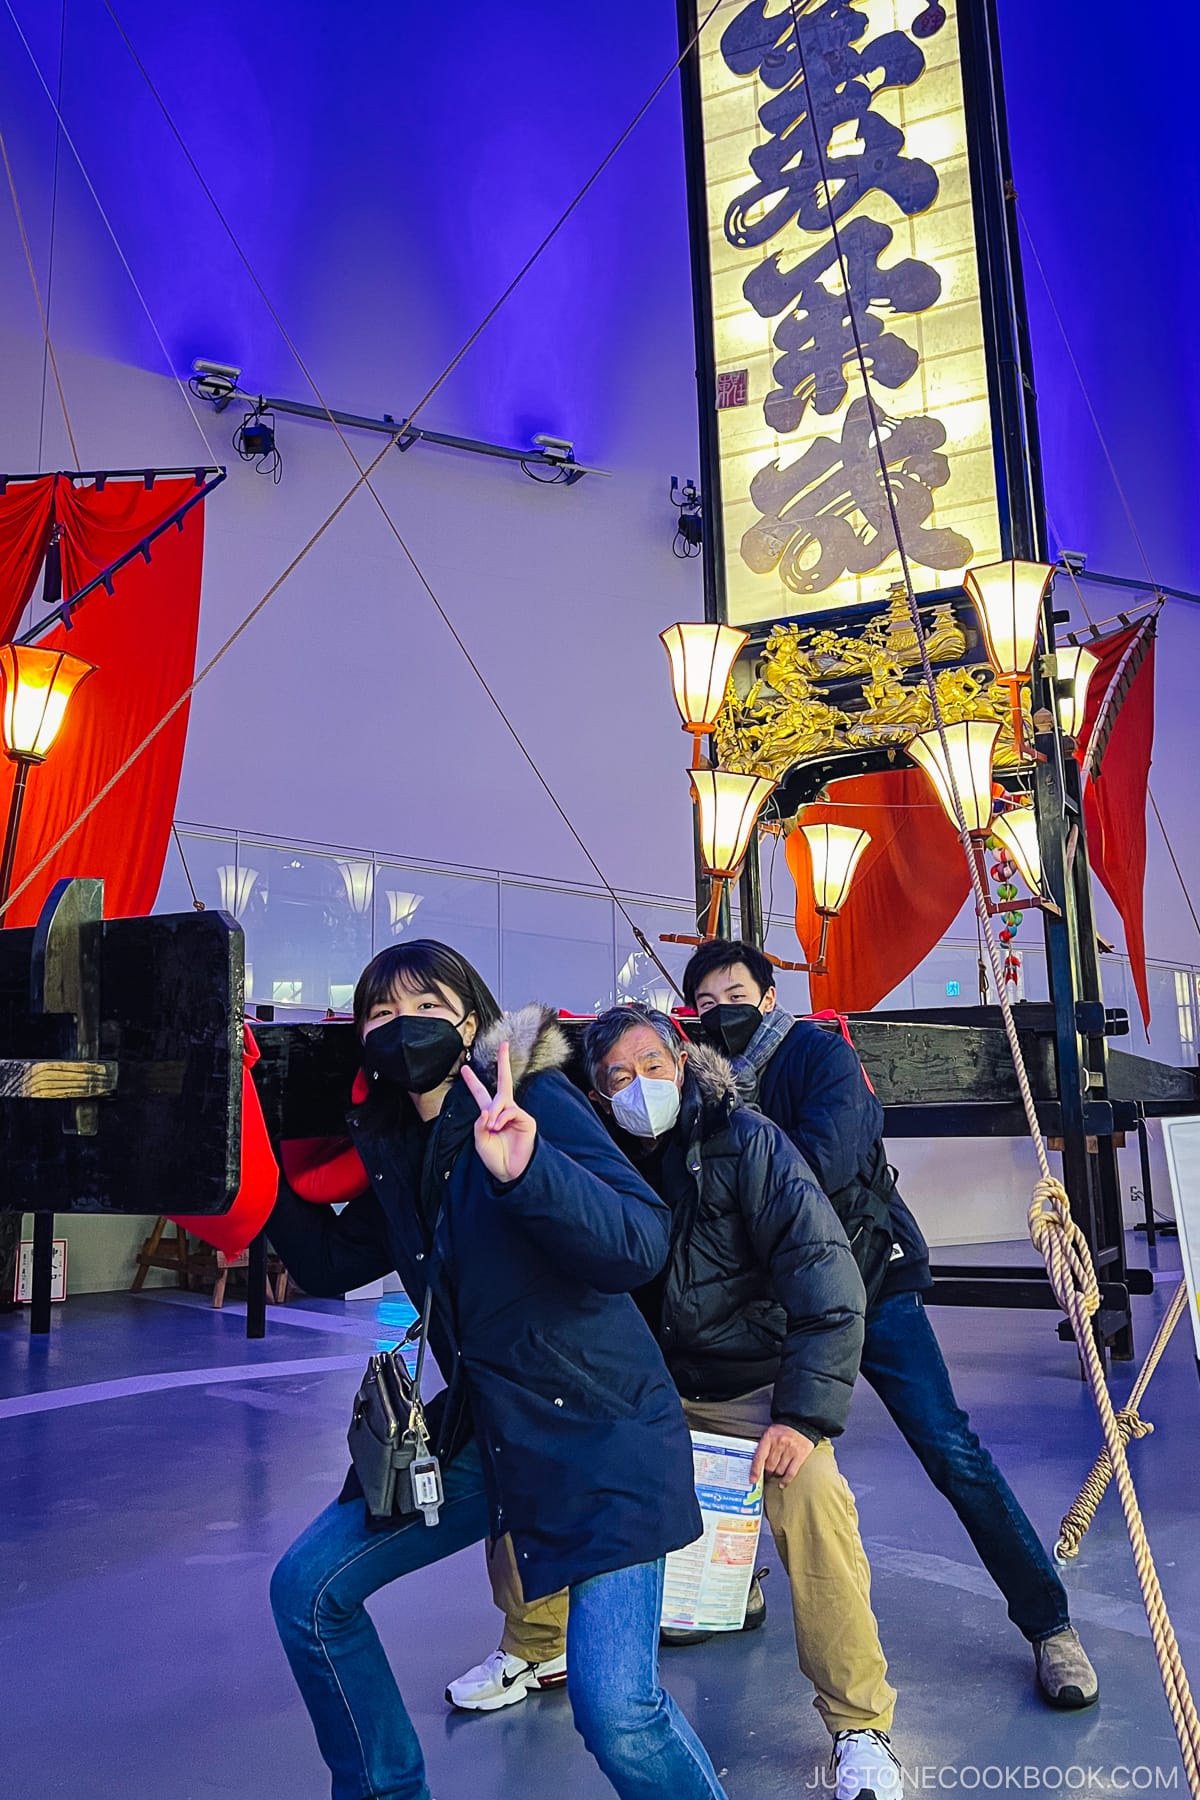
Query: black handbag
388	1437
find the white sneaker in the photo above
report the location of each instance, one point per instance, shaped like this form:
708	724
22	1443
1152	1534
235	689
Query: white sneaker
502	1680
866	1766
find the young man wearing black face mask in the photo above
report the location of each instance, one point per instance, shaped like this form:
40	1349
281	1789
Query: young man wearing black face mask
810	1082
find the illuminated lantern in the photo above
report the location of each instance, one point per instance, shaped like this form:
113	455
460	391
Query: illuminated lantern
359	879
237	885
1075	666
729	808
835	850
968	768
702	658
38	685
1016	831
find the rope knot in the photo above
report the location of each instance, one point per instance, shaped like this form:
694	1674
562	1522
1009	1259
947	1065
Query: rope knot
1063	1246
1131	1424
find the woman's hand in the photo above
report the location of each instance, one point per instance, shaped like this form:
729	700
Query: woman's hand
504	1133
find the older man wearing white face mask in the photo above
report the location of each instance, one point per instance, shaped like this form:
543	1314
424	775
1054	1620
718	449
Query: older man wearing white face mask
758	1312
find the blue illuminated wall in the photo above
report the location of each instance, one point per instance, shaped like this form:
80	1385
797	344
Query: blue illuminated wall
388	169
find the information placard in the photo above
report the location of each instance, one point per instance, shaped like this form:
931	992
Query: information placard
1181	1139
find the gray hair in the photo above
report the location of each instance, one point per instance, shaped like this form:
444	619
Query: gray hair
611	1026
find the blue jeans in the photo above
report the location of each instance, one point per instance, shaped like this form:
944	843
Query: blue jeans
904	1364
633	1729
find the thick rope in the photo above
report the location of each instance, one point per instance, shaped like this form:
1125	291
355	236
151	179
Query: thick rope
1062	1244
1073	1278
1078	1517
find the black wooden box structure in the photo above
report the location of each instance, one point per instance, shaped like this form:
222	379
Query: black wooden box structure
120	1065
121	1083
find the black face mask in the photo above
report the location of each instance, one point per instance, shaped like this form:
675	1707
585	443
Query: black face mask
730	1028
413	1052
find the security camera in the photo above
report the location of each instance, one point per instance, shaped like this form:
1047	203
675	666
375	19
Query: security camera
1074	561
215	381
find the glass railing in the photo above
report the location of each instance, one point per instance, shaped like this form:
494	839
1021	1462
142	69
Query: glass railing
314	914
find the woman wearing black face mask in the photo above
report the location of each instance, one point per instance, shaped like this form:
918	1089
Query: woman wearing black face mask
494	1186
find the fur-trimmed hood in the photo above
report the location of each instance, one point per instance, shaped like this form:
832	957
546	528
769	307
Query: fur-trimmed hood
713	1076
536	1042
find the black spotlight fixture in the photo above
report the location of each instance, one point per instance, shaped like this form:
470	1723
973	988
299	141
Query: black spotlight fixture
689	526
254	441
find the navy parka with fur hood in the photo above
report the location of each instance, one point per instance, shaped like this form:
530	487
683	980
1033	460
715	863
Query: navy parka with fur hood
586	1456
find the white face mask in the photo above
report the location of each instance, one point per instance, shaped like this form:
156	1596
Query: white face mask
646	1108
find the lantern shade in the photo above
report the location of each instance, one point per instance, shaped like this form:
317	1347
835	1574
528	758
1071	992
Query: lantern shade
359	879
38	685
1017	833
1008	597
1075	665
971	743
402	909
702	657
835	850
729	808
236	882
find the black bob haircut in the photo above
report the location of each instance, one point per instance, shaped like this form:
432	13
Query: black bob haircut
421	965
725	953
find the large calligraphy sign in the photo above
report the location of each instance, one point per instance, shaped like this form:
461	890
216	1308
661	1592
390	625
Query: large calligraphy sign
805	511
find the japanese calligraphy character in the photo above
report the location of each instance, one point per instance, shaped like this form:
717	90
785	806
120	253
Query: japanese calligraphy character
832	502
842	84
817	337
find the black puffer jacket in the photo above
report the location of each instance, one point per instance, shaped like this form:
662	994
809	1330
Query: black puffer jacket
814	1087
760	1285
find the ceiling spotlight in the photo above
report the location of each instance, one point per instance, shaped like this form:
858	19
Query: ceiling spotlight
215	381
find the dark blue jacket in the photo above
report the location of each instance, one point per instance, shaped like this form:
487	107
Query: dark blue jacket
815	1089
586	1456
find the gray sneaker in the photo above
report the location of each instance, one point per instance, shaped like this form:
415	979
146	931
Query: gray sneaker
1065	1676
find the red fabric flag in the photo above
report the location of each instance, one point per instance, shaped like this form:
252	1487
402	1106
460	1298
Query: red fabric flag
1114	801
25	517
142	639
909	885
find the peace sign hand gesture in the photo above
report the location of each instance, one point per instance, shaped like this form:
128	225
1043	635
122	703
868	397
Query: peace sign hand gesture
504	1133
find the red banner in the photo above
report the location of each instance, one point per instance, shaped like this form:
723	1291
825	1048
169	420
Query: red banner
26	512
1114	801
142	640
908	888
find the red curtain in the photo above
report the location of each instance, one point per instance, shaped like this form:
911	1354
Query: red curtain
25	518
1114	802
142	639
910	883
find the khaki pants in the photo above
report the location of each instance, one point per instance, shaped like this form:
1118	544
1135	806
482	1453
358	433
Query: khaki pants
815	1526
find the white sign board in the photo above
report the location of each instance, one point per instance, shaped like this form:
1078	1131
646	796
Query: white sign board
58	1272
708	1583
1181	1139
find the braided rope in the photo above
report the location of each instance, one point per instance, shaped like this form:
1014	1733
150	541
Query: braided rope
1078	1517
1073	1278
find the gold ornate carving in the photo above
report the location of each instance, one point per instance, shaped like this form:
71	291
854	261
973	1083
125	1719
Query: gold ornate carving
788	716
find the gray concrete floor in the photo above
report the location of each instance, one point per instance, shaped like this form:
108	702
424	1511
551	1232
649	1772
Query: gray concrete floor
168	1463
